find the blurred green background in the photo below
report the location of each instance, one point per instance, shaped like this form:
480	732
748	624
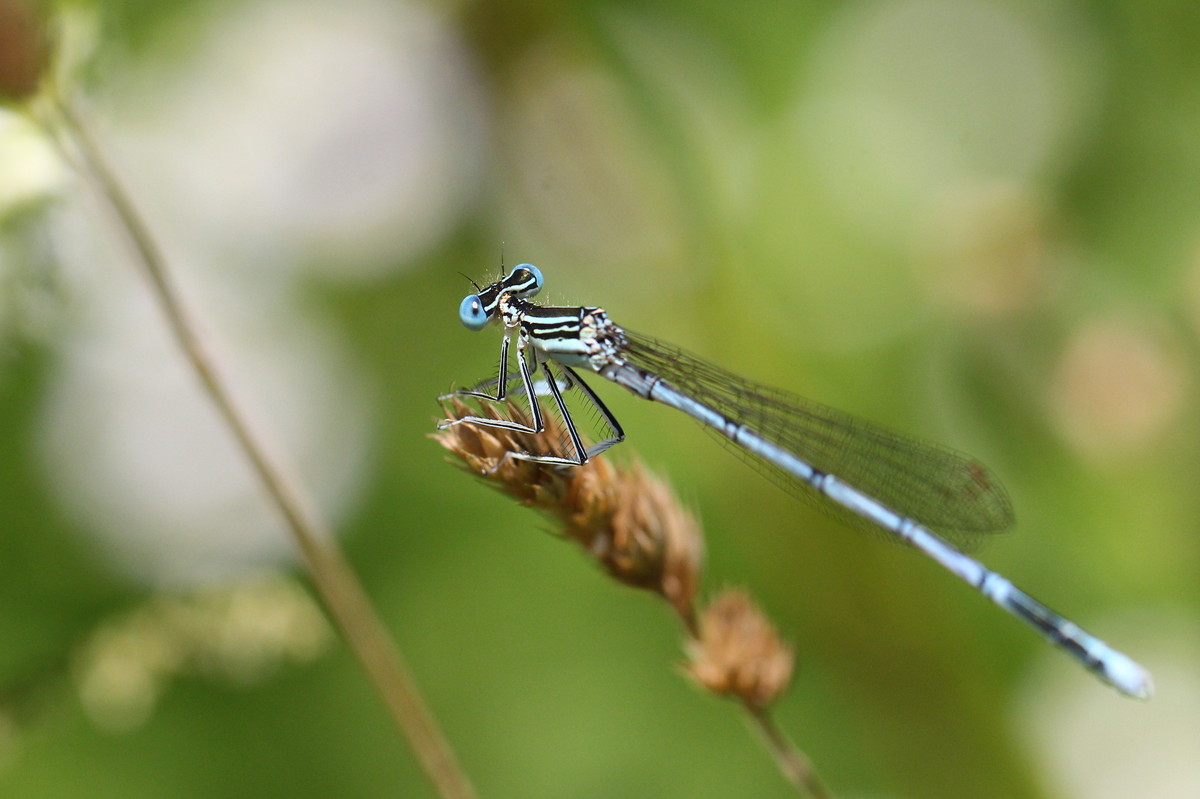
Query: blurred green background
977	222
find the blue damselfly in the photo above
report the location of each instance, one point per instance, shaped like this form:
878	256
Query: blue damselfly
851	468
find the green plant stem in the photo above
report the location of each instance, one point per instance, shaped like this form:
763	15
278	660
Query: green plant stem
336	584
792	762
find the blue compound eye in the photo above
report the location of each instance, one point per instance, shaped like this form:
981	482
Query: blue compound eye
537	278
471	312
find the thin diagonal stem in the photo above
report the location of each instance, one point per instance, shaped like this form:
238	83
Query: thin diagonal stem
336	584
792	762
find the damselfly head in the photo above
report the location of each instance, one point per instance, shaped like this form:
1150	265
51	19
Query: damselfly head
477	309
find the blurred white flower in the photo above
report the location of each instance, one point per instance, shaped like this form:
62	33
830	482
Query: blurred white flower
290	137
135	450
340	137
30	169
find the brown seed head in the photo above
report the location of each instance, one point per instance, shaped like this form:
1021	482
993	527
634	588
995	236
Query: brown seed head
625	518
738	653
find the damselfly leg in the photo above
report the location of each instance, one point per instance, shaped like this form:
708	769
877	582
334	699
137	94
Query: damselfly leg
550	384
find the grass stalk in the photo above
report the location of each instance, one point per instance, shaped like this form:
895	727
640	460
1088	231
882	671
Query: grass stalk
334	581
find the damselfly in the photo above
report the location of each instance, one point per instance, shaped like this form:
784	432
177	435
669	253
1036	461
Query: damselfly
843	465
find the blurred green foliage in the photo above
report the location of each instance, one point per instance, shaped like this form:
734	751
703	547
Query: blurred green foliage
849	200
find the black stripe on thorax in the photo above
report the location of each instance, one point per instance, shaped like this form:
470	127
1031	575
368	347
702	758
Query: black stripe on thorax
549	322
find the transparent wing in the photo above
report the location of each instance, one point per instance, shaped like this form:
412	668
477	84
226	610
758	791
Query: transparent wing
945	490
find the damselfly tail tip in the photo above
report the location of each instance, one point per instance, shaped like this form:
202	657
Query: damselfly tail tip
1128	676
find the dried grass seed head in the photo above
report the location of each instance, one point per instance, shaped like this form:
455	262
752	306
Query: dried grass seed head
625	518
738	652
